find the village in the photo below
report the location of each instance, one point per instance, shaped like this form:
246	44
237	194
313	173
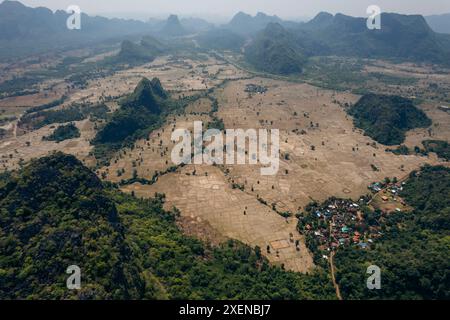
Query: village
344	222
254	88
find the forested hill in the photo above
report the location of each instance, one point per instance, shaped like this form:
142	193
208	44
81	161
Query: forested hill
401	38
139	113
275	50
173	27
386	119
55	213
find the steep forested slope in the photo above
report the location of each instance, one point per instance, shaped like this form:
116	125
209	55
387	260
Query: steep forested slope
139	113
55	213
275	51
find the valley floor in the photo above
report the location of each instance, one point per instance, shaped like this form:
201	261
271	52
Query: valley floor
322	154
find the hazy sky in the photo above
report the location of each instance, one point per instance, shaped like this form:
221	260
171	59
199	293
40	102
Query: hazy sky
226	8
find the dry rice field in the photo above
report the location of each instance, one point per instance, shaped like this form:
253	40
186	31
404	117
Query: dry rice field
321	153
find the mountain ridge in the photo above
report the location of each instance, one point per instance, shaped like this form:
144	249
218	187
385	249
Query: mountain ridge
173	27
439	23
274	50
26	31
245	24
401	37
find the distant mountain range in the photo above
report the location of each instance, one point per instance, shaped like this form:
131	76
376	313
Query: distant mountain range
244	24
402	37
275	50
173	27
196	24
146	51
25	30
276	44
221	39
439	23
20	22
139	111
405	37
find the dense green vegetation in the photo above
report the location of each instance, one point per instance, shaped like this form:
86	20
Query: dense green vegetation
189	270
40	119
428	191
274	51
19	86
74	112
55	212
140	112
46	106
386	119
97	111
441	148
413	251
400	150
65	132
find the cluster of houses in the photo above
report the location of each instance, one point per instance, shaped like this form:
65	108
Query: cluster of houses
389	192
392	187
341	222
254	88
376	187
338	222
